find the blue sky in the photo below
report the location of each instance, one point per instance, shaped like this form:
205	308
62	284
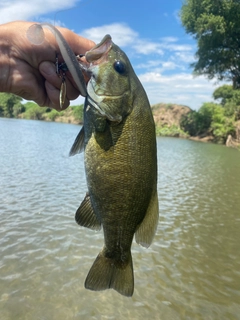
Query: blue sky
149	31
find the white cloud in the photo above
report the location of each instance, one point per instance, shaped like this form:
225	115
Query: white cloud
169	39
180	88
20	10
120	33
186	57
177	47
147	47
124	36
159	66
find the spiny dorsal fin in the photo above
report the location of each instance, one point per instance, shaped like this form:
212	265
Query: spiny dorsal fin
85	215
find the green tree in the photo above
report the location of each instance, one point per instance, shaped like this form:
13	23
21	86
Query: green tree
33	111
199	122
230	100
221	125
78	113
192	123
215	24
210	119
224	93
10	105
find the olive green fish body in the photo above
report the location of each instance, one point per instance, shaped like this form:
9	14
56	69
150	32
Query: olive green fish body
121	170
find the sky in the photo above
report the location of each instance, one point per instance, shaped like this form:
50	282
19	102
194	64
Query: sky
149	32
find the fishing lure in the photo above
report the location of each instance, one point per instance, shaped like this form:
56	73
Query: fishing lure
35	35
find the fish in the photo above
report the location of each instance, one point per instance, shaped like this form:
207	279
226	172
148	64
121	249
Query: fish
119	142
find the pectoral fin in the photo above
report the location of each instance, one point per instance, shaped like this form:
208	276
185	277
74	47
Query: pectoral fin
85	215
78	145
147	229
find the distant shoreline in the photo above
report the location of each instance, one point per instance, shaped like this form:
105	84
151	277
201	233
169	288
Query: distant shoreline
167	117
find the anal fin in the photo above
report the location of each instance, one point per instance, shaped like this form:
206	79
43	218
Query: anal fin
146	230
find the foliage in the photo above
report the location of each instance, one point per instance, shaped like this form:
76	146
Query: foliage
52	115
221	125
216	27
78	112
210	119
10	105
33	111
172	131
194	123
230	100
224	93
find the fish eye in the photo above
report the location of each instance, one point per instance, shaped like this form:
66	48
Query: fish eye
119	66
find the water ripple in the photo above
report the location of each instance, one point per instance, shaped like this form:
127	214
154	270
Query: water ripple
191	271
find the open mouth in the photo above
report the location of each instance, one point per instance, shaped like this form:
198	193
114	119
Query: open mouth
99	51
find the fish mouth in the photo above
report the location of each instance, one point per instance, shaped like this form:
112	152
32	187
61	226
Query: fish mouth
95	57
99	51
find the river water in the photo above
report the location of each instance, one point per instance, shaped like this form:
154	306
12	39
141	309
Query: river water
191	271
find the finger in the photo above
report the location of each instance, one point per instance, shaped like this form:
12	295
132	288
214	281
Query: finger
53	95
48	70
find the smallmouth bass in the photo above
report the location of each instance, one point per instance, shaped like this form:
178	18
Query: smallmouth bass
119	142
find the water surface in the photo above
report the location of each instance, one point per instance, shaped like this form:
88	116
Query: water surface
191	271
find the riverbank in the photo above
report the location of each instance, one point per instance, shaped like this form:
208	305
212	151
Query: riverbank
73	114
208	124
168	118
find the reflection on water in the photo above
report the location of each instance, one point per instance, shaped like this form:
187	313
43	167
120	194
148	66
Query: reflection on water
191	271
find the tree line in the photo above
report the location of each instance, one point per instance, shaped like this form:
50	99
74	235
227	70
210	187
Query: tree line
11	106
215	24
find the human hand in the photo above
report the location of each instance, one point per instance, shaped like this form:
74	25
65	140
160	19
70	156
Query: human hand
29	70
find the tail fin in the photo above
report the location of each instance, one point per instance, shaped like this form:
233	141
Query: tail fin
107	273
